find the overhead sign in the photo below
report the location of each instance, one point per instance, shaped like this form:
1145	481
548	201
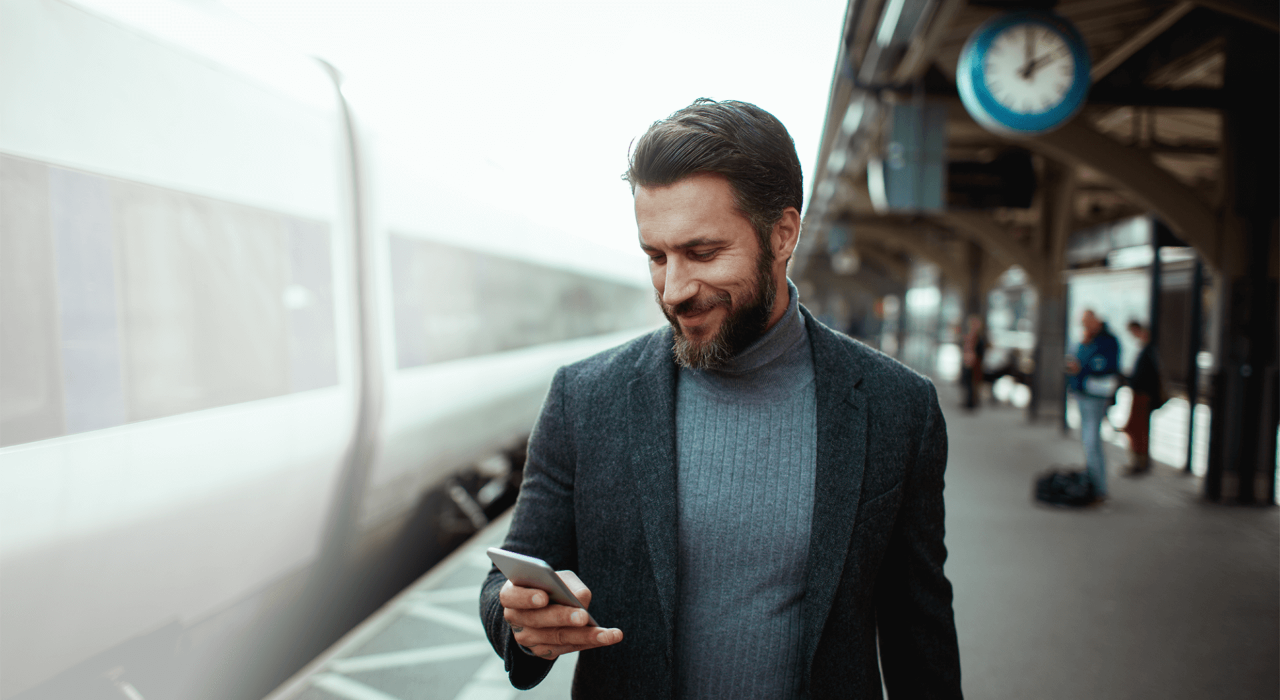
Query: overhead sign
911	174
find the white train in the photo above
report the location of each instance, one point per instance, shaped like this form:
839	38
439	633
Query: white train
237	345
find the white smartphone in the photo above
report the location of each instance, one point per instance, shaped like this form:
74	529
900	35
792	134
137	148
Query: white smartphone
532	572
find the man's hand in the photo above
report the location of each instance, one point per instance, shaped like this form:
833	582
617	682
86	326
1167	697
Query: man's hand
550	630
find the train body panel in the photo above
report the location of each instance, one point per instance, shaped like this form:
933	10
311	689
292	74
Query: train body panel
136	106
476	309
454	412
178	273
131	548
225	327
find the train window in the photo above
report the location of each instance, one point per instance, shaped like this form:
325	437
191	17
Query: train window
30	373
313	348
80	218
130	302
451	303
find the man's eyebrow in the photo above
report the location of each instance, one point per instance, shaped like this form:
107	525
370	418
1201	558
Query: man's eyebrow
695	243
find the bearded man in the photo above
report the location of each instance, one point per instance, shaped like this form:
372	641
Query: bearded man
754	500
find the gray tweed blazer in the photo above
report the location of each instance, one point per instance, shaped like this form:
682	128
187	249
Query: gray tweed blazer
599	498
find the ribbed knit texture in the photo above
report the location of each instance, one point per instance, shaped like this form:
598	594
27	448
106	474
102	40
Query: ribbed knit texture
746	439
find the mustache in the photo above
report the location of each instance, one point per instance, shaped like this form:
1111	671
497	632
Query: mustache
698	305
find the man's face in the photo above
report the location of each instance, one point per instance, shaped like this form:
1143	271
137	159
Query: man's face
1091	324
714	283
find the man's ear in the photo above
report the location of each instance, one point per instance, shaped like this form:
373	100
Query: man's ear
786	233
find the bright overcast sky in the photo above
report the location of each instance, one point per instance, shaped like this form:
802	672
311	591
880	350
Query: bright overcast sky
543	98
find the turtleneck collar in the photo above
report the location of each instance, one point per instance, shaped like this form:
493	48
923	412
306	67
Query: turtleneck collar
773	366
776	342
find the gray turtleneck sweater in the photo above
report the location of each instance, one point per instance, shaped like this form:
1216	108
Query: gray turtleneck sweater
746	438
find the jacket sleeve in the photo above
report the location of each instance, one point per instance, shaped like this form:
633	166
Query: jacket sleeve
918	650
542	526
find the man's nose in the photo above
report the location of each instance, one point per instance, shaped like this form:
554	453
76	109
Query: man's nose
679	284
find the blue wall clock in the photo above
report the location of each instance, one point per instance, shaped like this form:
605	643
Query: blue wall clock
1023	73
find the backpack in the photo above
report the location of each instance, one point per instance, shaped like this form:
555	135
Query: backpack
1064	488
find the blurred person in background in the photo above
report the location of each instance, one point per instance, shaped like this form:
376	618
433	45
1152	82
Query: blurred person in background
1147	396
1095	376
975	351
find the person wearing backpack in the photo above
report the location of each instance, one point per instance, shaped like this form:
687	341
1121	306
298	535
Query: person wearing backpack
1095	376
1148	395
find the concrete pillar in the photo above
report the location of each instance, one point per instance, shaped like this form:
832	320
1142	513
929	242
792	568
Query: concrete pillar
1196	332
1048	391
975	301
1242	447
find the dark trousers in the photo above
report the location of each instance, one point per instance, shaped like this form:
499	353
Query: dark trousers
1139	426
972	382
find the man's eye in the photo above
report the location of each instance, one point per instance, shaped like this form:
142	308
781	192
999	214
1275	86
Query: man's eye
706	255
657	259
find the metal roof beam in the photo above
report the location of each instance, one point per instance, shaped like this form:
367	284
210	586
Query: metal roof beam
1146	183
880	257
920	52
1186	98
906	237
1258	12
1143	37
996	239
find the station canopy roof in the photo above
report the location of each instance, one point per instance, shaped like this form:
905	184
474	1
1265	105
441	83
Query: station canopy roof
1149	138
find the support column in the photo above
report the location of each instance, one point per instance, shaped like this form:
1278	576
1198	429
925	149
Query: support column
1243	432
1157	290
974	299
1049	386
1049	390
1193	358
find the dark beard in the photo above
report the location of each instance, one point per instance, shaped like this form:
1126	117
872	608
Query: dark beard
741	327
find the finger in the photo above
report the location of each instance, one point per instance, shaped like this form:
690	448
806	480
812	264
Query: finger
551	653
568	638
548	653
558	637
550	616
513	596
575	584
605	637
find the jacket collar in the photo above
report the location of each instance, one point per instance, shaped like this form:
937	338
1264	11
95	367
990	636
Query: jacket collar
841	458
652	448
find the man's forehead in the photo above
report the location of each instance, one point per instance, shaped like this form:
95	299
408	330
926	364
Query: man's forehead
698	205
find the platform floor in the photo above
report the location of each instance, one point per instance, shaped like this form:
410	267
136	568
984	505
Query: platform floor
1153	595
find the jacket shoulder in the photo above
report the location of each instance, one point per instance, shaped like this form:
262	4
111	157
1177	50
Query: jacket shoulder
620	364
877	372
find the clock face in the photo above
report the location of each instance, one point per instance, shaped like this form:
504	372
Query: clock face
1028	68
1023	73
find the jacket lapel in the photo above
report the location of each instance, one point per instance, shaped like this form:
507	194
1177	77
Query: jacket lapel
841	456
652	445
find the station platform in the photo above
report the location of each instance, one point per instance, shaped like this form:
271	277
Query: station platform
425	643
1155	594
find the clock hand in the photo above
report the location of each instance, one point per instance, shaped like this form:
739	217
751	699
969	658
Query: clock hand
1029	50
1040	62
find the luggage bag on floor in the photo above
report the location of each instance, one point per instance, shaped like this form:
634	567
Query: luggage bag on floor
1064	488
